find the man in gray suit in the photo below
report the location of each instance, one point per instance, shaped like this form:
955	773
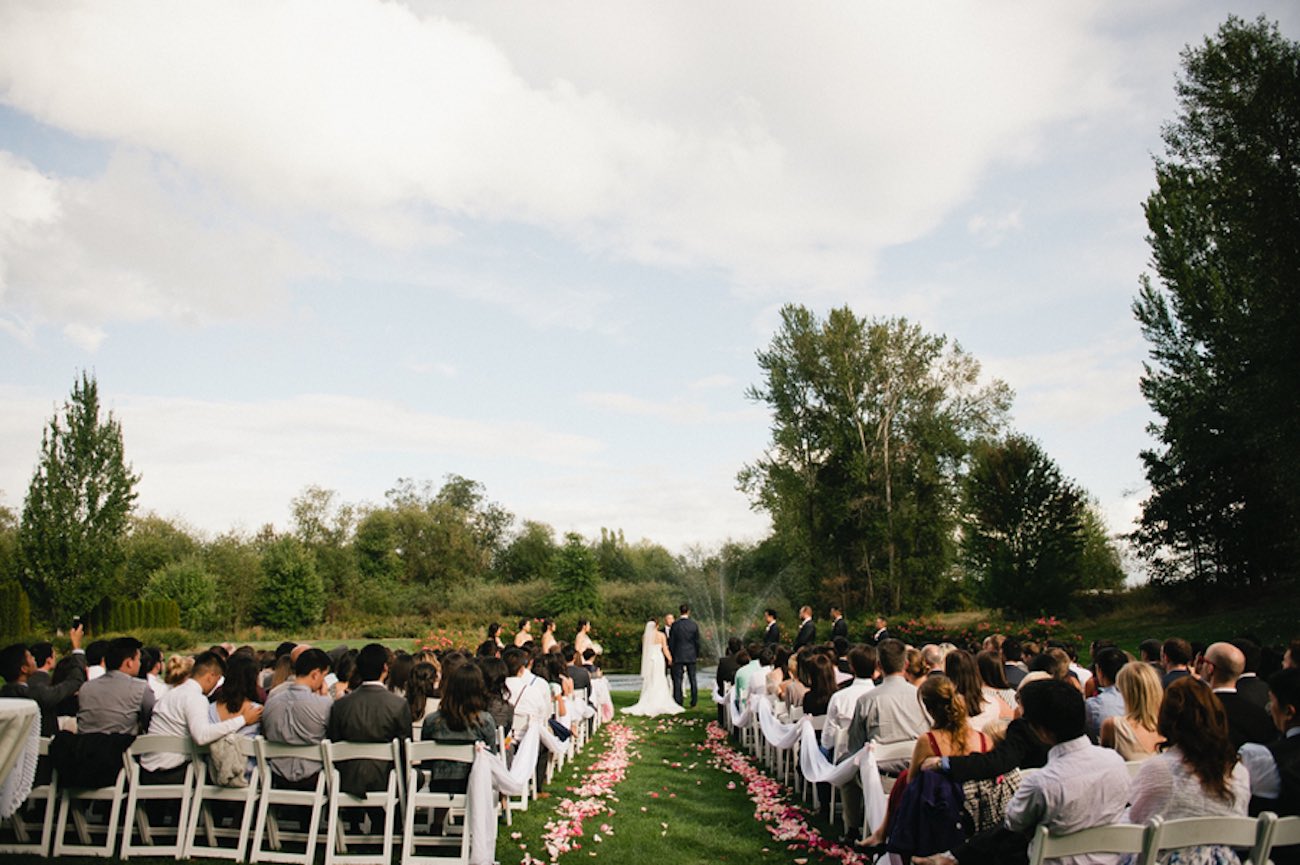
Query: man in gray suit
371	713
684	646
118	701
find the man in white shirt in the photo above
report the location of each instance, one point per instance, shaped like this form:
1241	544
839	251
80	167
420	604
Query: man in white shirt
1081	786
839	711
183	711
530	695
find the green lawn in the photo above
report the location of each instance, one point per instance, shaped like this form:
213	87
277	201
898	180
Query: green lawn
673	807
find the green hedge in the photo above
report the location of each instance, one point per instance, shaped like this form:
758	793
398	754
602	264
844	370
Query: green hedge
15	611
132	616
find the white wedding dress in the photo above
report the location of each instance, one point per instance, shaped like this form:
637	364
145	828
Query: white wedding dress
656	697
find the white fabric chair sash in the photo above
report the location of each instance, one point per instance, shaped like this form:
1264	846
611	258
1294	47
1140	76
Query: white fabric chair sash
778	735
490	774
818	769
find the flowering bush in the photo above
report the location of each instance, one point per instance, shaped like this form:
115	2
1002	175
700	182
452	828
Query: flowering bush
919	631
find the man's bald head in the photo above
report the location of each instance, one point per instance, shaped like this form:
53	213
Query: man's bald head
1229	663
296	652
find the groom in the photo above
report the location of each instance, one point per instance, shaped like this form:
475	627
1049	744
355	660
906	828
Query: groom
684	646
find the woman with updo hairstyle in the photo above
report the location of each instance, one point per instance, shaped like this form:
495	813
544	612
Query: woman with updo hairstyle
548	635
916	669
950	735
1198	775
177	669
494	635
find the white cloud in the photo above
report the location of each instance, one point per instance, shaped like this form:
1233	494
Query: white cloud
713	382
675	411
991	228
781	146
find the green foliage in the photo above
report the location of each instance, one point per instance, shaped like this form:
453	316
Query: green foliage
637	602
530	555
447	537
1223	318
500	601
577	579
1023	538
75	517
131	616
236	567
188	583
292	595
8	544
153	543
15	610
871	422
919	631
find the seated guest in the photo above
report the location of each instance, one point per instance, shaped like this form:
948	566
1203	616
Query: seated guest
781	662
745	670
530	695
1012	661
917	668
461	717
758	679
795	684
994	682
151	667
1249	685
1108	702
183	711
370	713
239	691
1135	734
29	679
727	667
1020	748
1275	768
420	691
959	666
118	701
839	711
297	713
1079	787
399	671
820	676
1175	655
177	670
95	659
1221	666
950	734
498	695
580	675
1198	775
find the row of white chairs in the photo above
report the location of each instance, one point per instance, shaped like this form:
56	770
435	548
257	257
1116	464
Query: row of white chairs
240	823
1259	836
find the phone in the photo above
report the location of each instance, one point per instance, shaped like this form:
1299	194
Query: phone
76	622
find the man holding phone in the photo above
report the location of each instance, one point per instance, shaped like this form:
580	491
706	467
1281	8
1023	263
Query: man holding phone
30	680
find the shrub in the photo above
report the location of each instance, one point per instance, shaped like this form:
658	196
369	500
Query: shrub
15	611
291	595
133	616
188	583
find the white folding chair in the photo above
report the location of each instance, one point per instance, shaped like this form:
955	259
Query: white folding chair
1117	838
206	793
137	817
416	799
46	793
520	802
896	753
1239	832
268	836
85	827
335	753
1282	832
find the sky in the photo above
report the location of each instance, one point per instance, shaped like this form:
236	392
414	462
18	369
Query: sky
342	242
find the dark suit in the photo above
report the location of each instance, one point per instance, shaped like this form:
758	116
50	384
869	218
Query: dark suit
727	668
807	633
840	628
46	696
581	679
773	635
1246	721
878	637
1014	673
1254	689
684	646
371	713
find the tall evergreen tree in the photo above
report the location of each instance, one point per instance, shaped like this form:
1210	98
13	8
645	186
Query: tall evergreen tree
1224	317
70	542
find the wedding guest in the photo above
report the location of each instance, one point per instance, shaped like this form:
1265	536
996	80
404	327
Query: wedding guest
1135	733
580	675
839	710
1013	662
1249	684
1275	768
298	713
917	668
239	692
498	695
530	695
151	663
460	718
794	687
1175	655
117	701
959	667
994	682
185	711
1198	774
1108	702
1221	667
370	713
177	669
782	664
27	679
399	671
820	677
420	691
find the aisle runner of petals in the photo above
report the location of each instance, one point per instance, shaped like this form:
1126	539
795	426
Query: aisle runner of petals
786	822
590	798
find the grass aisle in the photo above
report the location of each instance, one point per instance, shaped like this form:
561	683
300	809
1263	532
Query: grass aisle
676	804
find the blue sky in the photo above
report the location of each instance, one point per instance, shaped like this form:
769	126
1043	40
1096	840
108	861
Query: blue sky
341	242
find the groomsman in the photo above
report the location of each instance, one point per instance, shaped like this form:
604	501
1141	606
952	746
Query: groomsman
807	630
773	635
839	627
881	632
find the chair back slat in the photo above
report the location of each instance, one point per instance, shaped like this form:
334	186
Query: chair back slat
418	752
159	744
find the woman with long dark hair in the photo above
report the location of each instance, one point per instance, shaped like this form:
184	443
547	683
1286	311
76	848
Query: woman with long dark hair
1198	775
820	674
238	690
461	718
960	666
993	676
421	691
498	694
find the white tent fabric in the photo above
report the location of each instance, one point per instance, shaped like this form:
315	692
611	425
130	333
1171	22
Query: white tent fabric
816	768
488	777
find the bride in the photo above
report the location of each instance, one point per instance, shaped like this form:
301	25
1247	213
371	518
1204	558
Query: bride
656	698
